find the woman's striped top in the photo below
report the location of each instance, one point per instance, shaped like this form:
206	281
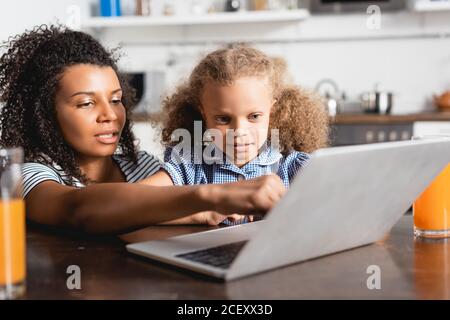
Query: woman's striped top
33	173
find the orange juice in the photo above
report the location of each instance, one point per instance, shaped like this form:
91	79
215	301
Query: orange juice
432	208
12	241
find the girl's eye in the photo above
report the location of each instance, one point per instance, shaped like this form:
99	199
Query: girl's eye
222	119
255	116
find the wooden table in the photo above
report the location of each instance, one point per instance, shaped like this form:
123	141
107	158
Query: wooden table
410	269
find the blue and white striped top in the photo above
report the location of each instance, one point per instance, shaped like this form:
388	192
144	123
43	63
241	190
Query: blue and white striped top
183	170
33	173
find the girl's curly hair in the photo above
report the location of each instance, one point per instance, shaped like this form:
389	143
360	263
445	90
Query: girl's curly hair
30	67
299	115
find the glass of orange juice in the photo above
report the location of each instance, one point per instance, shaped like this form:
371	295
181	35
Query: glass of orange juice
432	209
12	225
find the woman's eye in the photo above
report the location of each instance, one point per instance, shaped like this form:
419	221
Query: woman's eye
117	101
85	104
222	120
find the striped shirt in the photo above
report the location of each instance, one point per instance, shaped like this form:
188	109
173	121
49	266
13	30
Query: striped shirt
33	173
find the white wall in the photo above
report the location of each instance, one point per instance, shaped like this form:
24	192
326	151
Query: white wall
18	15
409	55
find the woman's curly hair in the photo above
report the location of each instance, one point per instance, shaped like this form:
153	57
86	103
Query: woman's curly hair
30	68
299	115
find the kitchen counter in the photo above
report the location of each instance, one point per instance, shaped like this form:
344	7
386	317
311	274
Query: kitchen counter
361	118
410	269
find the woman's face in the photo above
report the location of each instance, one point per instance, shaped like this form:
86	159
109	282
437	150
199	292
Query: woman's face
89	109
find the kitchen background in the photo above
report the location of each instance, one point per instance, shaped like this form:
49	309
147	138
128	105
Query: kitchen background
379	67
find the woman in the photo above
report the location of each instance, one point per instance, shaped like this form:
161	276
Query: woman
67	106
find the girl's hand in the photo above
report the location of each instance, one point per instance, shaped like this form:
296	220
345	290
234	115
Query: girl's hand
254	196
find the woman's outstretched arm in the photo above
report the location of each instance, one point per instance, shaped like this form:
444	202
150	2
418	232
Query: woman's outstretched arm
209	217
114	208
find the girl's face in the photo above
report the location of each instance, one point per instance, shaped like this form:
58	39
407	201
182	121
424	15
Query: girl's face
243	107
89	109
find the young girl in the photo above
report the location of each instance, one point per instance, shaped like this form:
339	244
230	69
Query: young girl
243	90
66	104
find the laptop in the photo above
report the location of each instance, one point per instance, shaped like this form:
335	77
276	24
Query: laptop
345	197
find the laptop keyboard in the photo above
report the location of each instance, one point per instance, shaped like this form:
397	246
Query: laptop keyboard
244	220
220	256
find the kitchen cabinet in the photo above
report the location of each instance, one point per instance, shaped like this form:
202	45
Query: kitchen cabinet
431	128
350	134
430	5
349	129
